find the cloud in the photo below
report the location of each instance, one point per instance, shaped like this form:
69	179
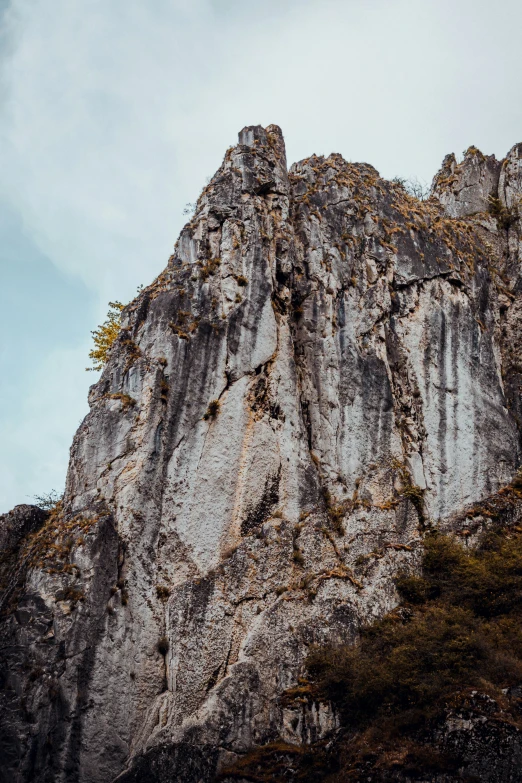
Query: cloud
116	112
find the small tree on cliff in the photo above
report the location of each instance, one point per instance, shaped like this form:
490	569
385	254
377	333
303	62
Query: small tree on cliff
105	335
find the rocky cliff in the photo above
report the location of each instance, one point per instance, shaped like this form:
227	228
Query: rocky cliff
326	368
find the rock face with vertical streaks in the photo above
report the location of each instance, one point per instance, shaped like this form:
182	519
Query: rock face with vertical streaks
326	366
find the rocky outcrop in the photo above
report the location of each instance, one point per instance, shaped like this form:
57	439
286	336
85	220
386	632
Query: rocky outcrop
17	524
467	188
326	366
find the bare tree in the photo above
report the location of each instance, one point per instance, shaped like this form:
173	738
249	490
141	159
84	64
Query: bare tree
414	186
48	501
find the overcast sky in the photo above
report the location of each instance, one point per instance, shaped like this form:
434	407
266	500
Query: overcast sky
113	113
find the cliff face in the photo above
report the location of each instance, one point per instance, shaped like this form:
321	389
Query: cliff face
326	366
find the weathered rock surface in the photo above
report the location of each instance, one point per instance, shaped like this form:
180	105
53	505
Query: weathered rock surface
17	524
363	348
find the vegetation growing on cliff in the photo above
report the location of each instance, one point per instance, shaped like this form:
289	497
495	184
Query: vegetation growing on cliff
458	630
48	501
212	410
458	626
105	335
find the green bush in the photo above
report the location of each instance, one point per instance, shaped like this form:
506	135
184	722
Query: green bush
105	335
458	628
504	216
487	580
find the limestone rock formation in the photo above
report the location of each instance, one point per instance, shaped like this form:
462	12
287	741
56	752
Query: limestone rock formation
326	366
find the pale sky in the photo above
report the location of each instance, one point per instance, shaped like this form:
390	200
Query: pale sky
113	113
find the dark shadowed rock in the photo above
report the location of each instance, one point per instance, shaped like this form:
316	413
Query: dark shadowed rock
18	523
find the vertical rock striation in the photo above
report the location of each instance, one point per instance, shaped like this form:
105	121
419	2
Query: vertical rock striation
326	366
